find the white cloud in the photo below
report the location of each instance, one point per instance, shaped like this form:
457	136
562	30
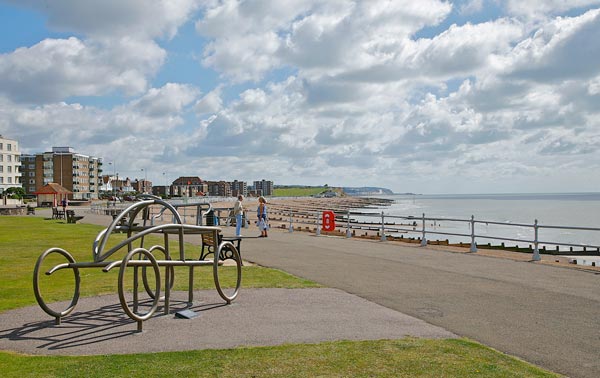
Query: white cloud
471	7
561	49
337	92
170	99
319	38
116	50
55	69
542	8
210	103
137	19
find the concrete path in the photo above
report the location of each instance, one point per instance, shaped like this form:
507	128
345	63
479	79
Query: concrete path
549	316
258	317
546	315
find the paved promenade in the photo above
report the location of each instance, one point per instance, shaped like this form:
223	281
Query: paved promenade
546	315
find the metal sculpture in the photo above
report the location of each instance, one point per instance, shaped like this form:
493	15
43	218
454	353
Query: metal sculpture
141	257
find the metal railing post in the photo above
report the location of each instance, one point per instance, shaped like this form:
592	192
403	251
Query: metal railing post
318	225
423	239
348	234
473	244
383	238
291	222
536	251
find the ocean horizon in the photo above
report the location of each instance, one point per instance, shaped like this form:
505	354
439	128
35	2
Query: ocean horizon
575	209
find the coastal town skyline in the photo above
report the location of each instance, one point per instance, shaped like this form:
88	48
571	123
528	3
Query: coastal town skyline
474	96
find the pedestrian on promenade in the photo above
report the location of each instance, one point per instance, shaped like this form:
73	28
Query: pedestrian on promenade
261	213
63	203
238	212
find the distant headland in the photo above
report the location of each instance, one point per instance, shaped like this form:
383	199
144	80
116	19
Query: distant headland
366	191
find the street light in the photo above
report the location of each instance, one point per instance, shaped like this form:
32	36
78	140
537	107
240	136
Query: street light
145	179
113	178
166	185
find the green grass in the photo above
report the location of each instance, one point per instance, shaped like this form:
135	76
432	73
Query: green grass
298	191
23	239
382	358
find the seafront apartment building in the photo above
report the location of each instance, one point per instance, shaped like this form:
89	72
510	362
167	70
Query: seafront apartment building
81	174
10	164
263	187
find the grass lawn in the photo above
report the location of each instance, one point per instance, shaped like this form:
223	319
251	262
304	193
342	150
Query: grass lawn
298	191
23	239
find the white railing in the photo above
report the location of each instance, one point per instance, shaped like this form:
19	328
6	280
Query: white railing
389	225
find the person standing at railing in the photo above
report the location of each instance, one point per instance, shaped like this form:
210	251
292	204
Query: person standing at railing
238	212
261	212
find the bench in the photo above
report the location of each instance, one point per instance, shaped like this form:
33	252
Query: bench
72	218
226	252
57	214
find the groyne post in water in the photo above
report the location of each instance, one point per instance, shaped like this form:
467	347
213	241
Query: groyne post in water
473	244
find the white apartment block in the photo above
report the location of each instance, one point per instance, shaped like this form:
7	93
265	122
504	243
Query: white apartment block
10	164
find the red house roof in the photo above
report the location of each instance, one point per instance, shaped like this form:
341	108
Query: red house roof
53	188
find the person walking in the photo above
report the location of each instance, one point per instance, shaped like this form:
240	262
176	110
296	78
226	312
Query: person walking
238	212
261	213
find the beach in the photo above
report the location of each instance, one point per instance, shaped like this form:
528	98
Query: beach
304	213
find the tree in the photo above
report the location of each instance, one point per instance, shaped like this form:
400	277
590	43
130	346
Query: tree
15	192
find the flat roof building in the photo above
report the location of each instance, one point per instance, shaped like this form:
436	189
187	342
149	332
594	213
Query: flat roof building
81	174
10	164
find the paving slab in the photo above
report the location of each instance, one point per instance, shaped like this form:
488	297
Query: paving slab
546	315
258	317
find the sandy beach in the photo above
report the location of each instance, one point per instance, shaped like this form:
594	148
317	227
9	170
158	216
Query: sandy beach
303	213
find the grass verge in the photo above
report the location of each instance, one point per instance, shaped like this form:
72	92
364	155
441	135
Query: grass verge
23	239
382	358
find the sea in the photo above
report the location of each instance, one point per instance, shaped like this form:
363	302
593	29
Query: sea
549	209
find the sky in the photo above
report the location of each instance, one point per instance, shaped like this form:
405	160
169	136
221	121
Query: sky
429	96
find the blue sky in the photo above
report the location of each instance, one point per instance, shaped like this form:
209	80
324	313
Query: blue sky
474	96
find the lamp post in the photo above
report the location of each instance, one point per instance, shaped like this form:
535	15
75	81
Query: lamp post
113	178
166	185
145	178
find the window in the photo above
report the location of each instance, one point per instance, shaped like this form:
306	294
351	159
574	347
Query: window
31	181
1	157
1	180
32	188
31	166
31	174
8	147
9	158
9	169
10	180
1	147
1	168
